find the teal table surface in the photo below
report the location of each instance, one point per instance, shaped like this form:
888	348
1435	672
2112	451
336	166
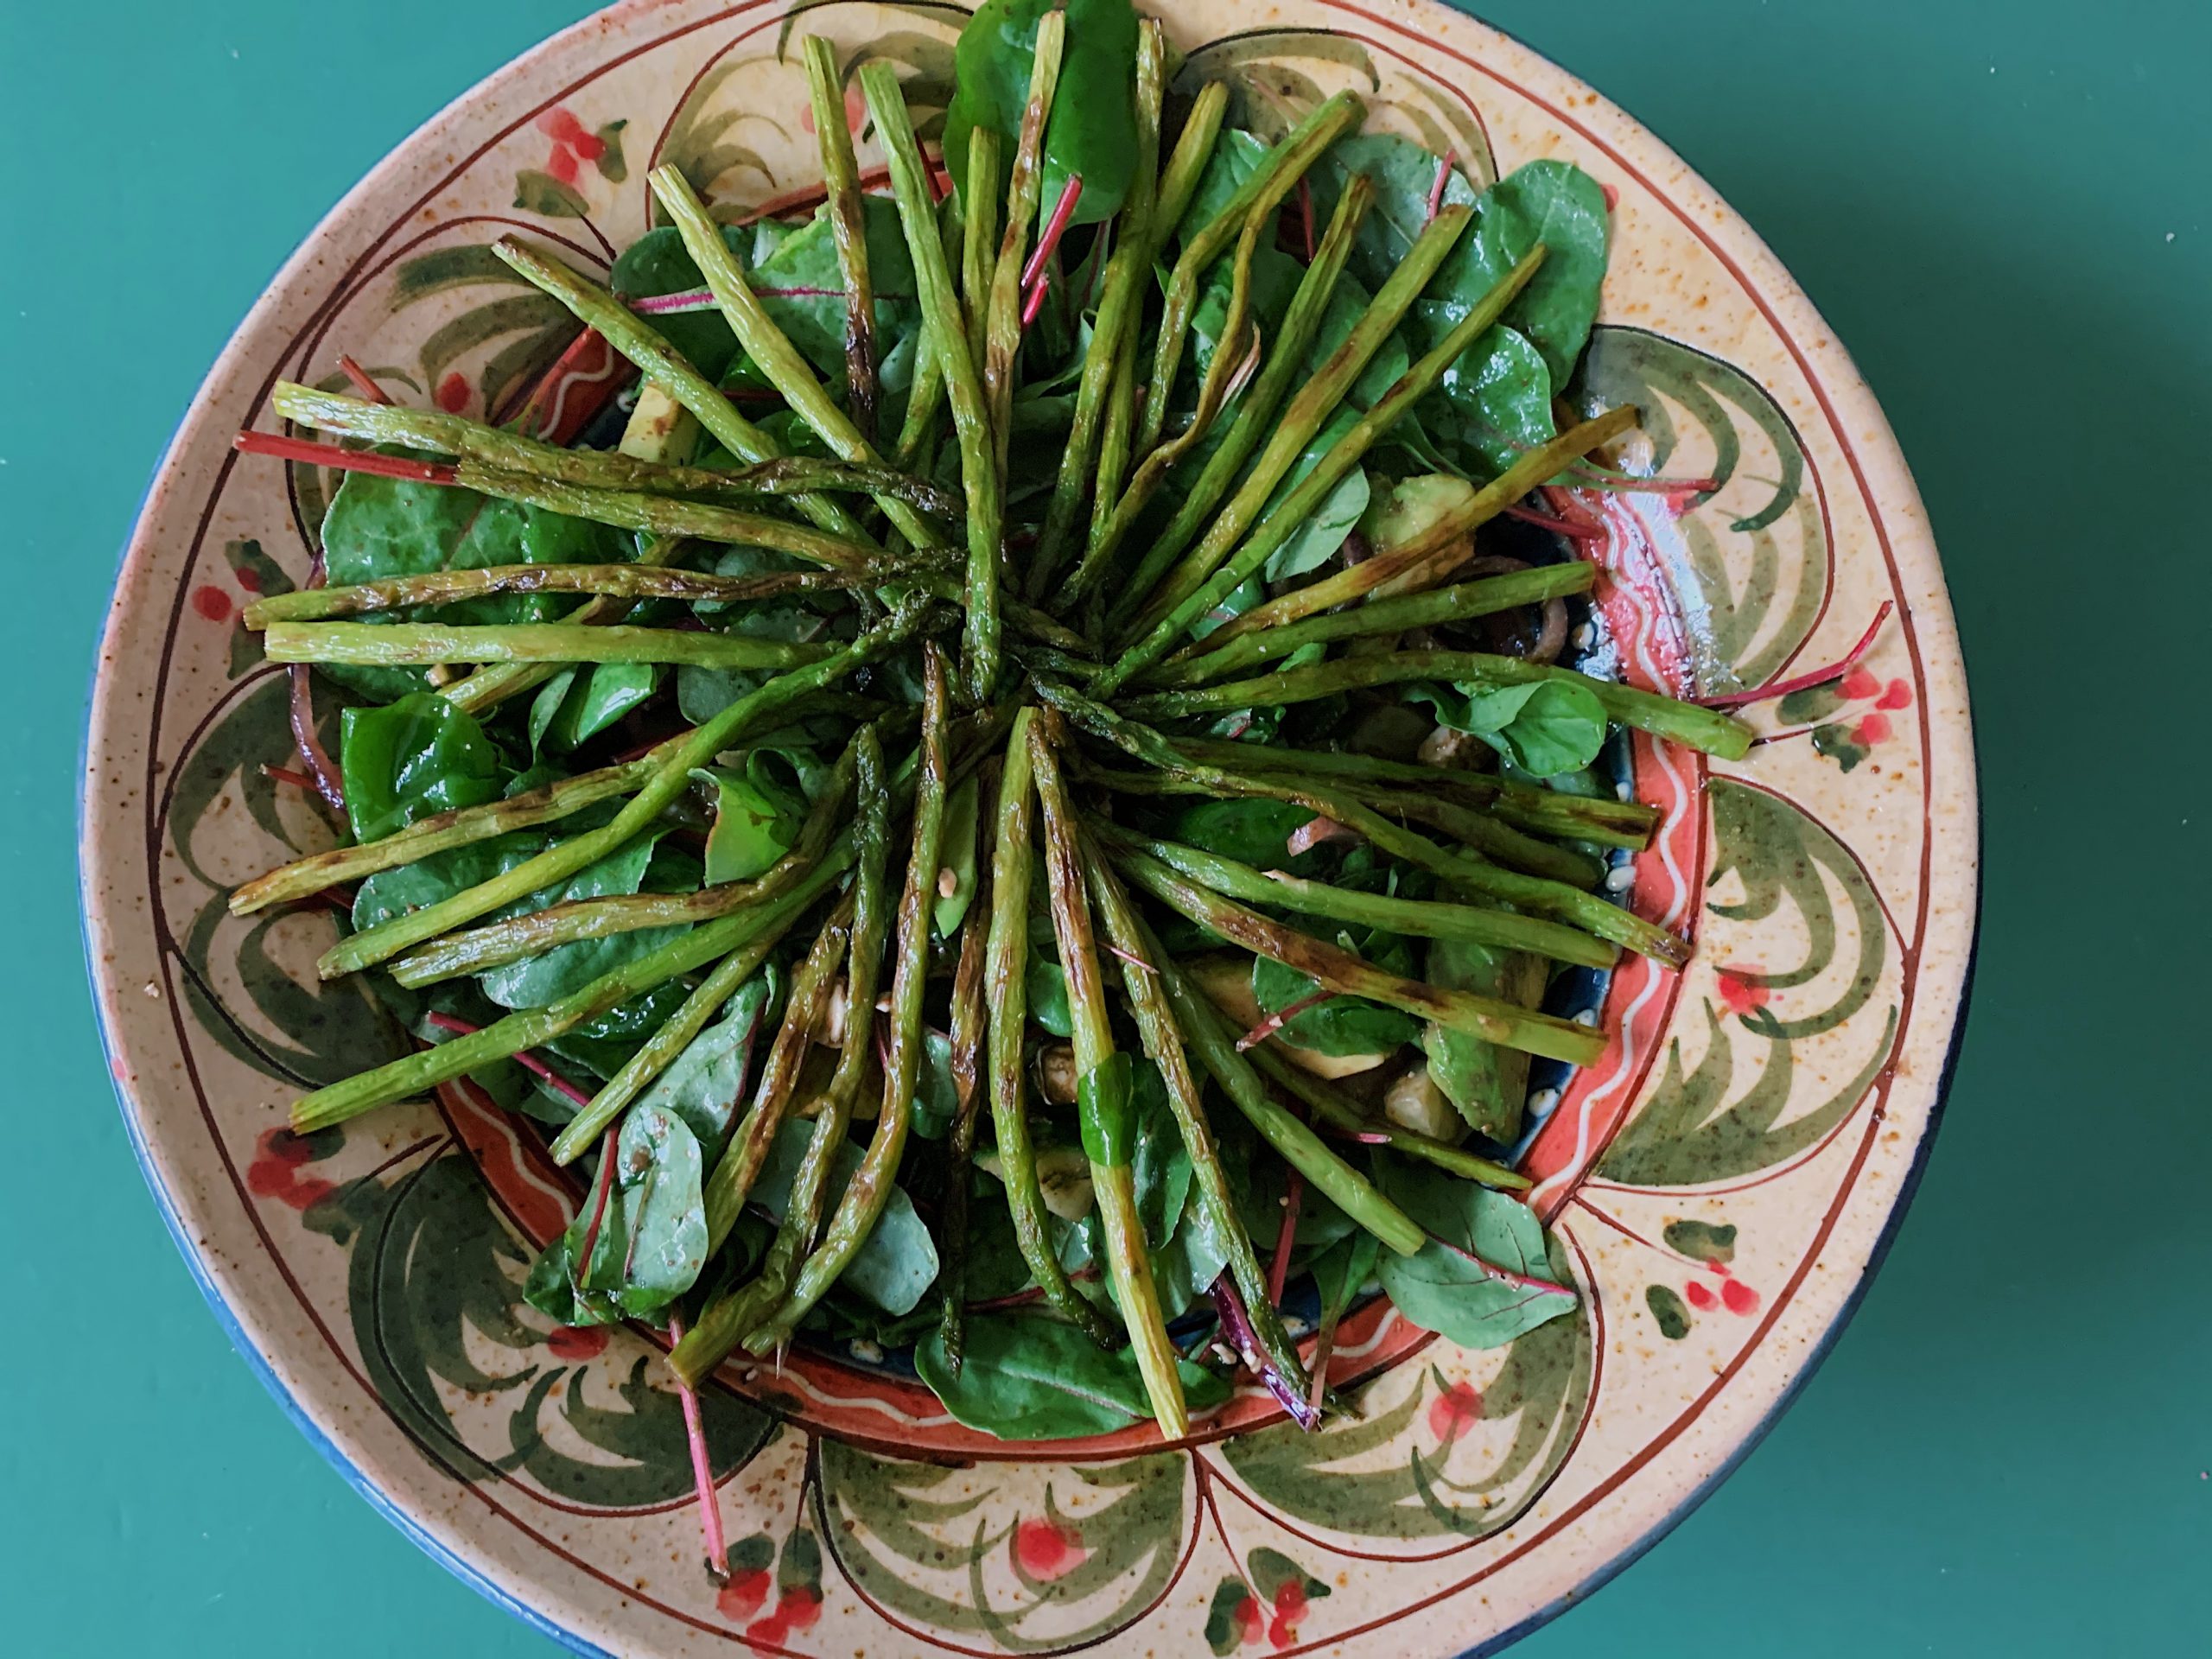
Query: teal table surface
2003	210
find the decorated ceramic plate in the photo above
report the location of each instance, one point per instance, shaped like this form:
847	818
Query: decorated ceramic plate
1720	1182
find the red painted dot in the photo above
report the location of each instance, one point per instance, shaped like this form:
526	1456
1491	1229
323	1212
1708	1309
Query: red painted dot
248	578
1874	729
1739	1296
1700	1297
743	1596
1899	695
1859	682
212	602
1612	198
282	1146
559	124
800	1607
575	1343
562	164
453	393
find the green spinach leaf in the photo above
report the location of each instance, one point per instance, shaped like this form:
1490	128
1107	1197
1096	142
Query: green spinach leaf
755	825
1547	727
408	759
704	1083
1092	128
1555	203
580	702
535	981
1026	1377
1440	1290
898	1264
1047	984
1341	1025
1403	176
1254	832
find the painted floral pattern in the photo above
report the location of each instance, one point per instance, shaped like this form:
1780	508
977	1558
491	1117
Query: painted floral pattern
1693	1176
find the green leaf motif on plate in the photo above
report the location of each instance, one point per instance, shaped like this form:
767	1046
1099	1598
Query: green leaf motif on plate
1703	415
434	1277
1423	1460
1689	1131
941	1546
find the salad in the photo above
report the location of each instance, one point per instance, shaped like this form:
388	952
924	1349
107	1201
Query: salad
1015	798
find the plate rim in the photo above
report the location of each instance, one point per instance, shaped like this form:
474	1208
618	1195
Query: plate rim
1841	381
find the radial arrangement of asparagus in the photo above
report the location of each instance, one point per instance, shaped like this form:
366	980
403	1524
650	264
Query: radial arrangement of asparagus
1070	803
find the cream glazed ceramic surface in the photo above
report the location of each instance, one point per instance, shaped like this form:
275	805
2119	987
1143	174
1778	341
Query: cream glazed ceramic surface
1720	1183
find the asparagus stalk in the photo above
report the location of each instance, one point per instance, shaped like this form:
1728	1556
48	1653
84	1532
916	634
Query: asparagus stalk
607	580
666	366
534	1027
727	1319
1103	1095
1341	972
494	682
1232	354
966	1043
1328	1106
1531	892
497	943
1296	1143
1495	841
1002	309
1179	184
1006	966
767	346
849	224
1439	551
1330	120
1120	308
400	644
511	452
462	827
1687	724
1545	811
1499	842
1437	607
1298	505
1163	1043
1302	419
660	1050
1308	306
925	398
661	515
979	473
979	225
388	938
730	1182
870	1188
1423	917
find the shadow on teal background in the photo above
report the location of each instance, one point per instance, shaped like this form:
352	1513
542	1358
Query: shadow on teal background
2002	209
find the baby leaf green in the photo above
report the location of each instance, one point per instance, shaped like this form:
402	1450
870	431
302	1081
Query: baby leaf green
409	759
1440	1290
1092	128
1025	1378
1546	727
